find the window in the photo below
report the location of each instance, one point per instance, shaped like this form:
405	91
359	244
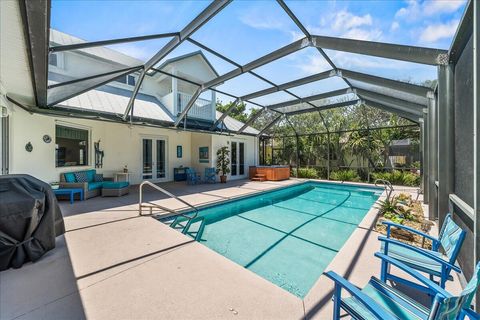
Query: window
56	59
53	59
131	80
126	79
71	146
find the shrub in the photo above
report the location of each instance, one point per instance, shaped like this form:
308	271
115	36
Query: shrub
403	178
396	209
345	175
307	173
321	172
411	179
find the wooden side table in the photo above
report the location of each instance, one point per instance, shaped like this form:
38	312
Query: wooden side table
122	176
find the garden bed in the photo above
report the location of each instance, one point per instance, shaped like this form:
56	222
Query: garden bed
402	209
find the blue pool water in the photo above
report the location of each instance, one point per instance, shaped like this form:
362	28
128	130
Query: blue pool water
288	236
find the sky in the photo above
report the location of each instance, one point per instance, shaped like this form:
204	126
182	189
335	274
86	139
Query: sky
246	30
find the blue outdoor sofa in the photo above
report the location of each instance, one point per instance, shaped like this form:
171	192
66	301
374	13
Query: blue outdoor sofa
92	183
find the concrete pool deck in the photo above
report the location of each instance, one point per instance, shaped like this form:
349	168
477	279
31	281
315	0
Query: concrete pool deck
113	264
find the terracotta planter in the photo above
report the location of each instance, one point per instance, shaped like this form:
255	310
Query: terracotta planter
223	179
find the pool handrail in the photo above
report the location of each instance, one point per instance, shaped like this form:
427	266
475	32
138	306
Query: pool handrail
152	205
387	185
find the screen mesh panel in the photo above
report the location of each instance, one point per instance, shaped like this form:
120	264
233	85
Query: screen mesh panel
464	125
464	158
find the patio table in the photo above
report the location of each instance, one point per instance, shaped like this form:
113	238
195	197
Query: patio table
69	191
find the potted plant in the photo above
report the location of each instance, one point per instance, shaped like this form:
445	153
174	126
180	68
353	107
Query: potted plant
223	163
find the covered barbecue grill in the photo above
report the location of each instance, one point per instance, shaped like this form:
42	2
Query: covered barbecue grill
30	220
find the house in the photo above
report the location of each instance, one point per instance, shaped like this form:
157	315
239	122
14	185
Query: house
45	144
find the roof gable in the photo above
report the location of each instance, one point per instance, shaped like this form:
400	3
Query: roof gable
194	64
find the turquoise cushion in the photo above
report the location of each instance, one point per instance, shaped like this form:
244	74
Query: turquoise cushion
394	302
115	185
451	238
91	175
414	259
69	177
94	185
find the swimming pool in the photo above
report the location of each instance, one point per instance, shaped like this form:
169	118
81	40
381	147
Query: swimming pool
287	236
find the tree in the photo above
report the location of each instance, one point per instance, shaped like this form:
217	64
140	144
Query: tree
239	112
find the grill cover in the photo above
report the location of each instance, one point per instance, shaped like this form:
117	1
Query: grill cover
30	219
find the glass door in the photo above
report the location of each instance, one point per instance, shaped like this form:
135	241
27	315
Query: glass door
241	158
147	158
161	172
154	163
233	159
237	158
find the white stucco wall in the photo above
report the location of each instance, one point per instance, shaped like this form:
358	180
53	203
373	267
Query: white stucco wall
219	141
215	142
201	140
120	143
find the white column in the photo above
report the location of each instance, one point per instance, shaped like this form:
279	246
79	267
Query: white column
174	93
214	101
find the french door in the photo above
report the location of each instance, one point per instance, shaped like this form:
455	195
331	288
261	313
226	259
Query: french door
237	158
154	159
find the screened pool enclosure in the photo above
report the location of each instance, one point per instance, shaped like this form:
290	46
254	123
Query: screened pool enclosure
367	122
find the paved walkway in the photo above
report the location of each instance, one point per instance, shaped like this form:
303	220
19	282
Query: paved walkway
113	264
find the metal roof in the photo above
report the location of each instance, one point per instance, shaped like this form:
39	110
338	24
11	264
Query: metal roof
105	100
110	100
61	38
234	125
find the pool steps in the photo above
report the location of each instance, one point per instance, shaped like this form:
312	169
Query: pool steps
259	177
190	227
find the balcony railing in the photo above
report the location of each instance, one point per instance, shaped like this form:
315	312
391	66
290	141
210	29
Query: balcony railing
202	109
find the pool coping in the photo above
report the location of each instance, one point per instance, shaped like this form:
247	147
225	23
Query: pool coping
298	181
370	216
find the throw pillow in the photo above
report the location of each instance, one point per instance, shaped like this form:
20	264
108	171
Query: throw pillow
98	177
81	176
69	177
91	175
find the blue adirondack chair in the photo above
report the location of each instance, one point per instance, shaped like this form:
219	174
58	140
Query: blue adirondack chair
210	175
435	262
377	300
192	176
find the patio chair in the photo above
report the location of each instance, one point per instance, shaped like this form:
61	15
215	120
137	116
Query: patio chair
437	262
210	175
377	300
192	176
